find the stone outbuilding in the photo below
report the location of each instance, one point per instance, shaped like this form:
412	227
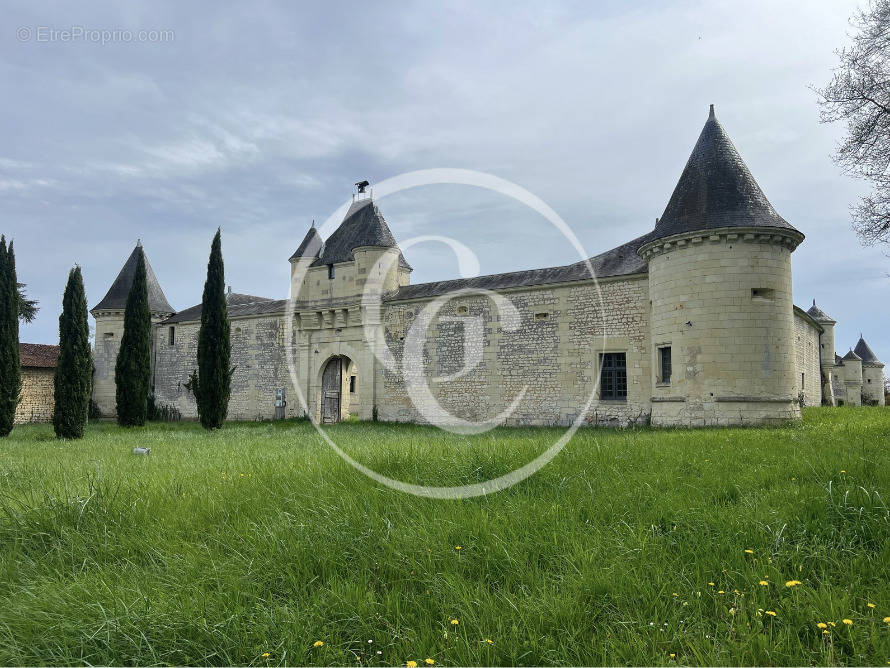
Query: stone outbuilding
38	362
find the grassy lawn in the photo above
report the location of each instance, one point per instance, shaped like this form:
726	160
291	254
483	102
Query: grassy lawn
636	547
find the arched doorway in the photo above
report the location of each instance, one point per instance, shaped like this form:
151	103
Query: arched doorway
339	389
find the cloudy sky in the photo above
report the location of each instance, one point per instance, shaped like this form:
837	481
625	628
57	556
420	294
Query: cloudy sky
258	117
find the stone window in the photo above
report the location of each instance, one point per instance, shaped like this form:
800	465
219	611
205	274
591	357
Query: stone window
664	364
763	293
613	376
352	384
171	336
802	383
331	272
542	316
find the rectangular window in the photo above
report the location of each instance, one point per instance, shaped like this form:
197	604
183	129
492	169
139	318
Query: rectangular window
664	364
352	384
171	336
762	293
802	384
613	376
331	271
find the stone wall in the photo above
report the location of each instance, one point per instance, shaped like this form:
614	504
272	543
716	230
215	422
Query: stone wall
37	399
807	359
259	361
548	364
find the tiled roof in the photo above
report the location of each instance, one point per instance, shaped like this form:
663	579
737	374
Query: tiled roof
363	225
865	352
620	261
716	190
38	355
310	246
852	357
818	314
116	299
237	305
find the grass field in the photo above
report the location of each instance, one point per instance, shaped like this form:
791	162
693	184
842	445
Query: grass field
249	545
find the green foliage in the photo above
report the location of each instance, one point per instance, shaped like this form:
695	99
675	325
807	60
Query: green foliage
162	413
132	372
93	412
27	307
10	369
256	538
73	379
214	354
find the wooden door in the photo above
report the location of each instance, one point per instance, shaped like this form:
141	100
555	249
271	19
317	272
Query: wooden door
331	386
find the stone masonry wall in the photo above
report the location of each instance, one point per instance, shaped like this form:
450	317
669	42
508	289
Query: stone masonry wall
259	361
551	359
37	400
806	356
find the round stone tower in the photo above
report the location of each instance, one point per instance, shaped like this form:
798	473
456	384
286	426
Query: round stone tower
872	374
826	353
720	289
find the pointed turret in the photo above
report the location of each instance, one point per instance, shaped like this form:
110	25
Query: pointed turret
310	246
716	190
819	315
865	353
362	226
116	298
852	357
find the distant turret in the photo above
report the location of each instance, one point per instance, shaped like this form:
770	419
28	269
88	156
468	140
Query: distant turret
109	315
872	373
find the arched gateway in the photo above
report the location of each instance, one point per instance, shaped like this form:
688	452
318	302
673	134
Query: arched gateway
338	388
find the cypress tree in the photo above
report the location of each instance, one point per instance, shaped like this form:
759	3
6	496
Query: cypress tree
73	380
10	369
214	354
132	372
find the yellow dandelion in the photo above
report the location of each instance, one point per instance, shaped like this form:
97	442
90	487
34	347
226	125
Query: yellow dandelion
489	641
749	551
720	592
832	624
732	611
887	620
454	622
710	584
771	613
673	655
411	664
870	605
676	594
763	583
792	583
429	662
843	470
822	625
458	547
317	643
848	622
825	632
266	655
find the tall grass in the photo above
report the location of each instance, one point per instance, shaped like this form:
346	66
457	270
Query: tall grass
220	547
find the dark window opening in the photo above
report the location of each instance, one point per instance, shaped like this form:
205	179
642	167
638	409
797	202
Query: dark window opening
613	376
542	316
802	384
171	336
664	364
762	293
331	271
352	384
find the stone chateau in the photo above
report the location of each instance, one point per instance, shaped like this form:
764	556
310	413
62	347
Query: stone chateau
690	324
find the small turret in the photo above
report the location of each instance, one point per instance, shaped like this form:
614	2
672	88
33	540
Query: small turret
109	315
872	373
307	252
826	340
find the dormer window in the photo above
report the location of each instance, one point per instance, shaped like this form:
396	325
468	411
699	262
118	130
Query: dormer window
331	272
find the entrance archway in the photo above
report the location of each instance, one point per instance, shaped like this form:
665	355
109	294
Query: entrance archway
339	391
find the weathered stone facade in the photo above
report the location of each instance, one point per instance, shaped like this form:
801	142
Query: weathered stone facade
691	324
36	404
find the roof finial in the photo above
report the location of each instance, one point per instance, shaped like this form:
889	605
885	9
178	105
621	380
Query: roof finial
313	222
711	112
228	290
814	301
138	243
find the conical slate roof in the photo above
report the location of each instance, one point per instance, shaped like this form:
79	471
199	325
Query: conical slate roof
363	226
818	314
852	356
862	349
116	299
310	246
716	190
